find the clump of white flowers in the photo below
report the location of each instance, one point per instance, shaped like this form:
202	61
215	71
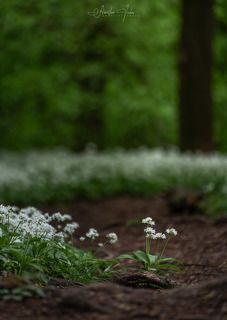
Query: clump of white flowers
151	234
33	223
152	258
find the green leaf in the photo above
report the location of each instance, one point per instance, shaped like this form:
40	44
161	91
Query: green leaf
36	267
141	256
168	259
127	256
168	267
152	259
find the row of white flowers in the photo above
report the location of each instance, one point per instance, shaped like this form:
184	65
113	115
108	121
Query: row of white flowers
42	175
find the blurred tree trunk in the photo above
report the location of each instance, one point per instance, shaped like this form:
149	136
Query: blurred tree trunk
90	120
195	105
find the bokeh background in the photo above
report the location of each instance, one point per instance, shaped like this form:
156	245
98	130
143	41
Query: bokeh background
70	79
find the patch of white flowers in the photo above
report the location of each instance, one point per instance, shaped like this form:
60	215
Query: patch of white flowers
151	234
30	222
39	174
33	223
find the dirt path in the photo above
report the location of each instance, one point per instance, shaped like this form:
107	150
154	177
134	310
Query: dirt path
200	289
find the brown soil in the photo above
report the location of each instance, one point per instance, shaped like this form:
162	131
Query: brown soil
200	289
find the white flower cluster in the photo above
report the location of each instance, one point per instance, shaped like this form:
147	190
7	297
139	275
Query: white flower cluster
70	228
58	217
149	221
171	231
151	233
112	237
32	222
92	234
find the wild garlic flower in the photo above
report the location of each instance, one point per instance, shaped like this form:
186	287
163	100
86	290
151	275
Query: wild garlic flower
100	245
82	238
159	235
149	230
71	227
60	236
92	233
60	217
112	237
171	231
3	209
151	234
149	221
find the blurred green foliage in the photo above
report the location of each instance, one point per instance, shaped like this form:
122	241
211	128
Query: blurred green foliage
68	78
220	74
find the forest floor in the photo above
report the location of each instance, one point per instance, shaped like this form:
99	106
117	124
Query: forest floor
200	289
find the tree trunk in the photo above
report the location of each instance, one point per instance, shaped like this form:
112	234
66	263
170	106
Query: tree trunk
195	105
90	120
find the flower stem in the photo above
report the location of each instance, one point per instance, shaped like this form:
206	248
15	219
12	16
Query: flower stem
163	249
148	246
